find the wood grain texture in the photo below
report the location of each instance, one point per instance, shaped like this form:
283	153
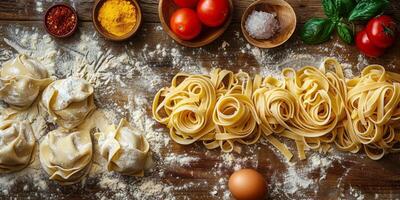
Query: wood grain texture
26	10
372	178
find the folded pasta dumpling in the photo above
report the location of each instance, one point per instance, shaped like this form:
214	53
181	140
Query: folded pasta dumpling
21	81
66	156
125	148
17	143
69	101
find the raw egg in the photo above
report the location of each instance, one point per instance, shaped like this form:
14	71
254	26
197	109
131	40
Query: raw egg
247	184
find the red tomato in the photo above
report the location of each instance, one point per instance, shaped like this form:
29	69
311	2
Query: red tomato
365	45
382	31
185	23
213	12
186	3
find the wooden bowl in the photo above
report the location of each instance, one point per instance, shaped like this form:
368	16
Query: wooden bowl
67	34
108	35
208	34
284	14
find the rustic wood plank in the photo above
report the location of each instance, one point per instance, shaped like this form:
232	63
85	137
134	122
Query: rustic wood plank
32	10
352	171
355	171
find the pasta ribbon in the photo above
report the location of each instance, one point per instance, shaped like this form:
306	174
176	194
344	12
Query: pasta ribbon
186	108
373	102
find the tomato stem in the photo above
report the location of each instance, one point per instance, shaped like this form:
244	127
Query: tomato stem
387	30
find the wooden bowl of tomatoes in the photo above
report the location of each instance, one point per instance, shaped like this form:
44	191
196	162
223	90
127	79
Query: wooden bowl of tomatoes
195	23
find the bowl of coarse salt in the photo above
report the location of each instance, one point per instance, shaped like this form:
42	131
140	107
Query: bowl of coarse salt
268	23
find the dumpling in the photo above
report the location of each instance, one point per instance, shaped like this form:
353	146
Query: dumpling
69	101
66	156
125	149
21	81
17	143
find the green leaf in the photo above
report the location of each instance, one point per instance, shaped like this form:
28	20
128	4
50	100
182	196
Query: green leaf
345	33
366	9
330	9
344	7
334	9
317	30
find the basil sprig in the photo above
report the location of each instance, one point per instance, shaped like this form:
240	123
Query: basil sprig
344	7
340	14
367	9
318	30
345	33
330	9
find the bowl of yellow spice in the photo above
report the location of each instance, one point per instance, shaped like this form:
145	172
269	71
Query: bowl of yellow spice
117	20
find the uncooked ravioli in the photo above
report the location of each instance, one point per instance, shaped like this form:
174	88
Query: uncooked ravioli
21	81
125	148
17	143
66	156
69	101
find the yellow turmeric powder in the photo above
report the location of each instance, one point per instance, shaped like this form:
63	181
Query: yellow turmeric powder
118	17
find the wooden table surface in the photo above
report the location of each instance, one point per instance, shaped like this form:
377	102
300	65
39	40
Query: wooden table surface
372	179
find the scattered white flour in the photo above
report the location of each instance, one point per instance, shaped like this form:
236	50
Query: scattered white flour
142	188
137	106
39	6
362	62
356	193
150	188
181	160
347	70
37	179
221	187
224	45
297	178
229	160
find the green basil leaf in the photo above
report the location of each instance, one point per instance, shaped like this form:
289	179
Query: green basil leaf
344	7
345	33
317	31
366	9
330	9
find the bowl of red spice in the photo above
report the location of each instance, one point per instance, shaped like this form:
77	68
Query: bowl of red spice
61	20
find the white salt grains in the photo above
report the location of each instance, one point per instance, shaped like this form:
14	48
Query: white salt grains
262	25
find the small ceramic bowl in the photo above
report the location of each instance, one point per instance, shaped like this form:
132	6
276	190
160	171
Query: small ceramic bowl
284	14
108	35
208	34
73	30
